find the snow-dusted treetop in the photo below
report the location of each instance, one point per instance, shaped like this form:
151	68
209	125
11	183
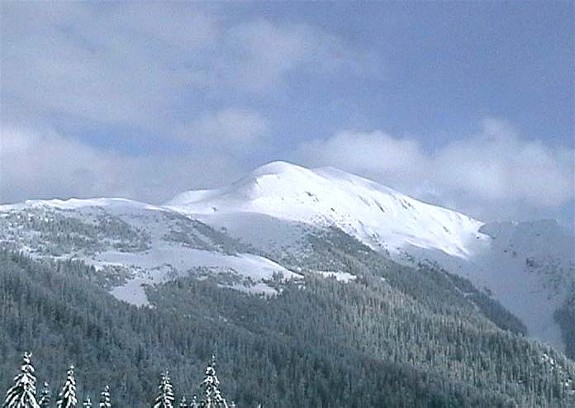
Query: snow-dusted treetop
210	388
23	393
67	397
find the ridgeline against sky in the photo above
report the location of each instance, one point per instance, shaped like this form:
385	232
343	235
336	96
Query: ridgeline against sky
465	105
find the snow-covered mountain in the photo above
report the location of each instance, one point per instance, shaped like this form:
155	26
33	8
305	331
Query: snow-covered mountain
132	244
254	233
377	215
528	267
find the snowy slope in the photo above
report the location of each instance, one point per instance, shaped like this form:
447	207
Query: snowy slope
528	267
133	244
377	215
245	272
531	267
247	233
75	203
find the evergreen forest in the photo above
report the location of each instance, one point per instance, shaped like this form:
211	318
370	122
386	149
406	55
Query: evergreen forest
394	337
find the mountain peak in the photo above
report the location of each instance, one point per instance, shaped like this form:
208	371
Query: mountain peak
365	209
278	167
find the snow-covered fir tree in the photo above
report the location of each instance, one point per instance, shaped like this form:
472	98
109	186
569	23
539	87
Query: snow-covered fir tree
67	397
87	403
210	387
105	400
23	393
165	398
194	403
183	403
45	396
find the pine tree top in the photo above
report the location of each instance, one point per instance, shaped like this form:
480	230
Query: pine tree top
67	397
165	396
23	393
105	400
211	397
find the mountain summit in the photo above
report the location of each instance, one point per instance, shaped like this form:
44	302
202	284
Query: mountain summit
375	214
529	267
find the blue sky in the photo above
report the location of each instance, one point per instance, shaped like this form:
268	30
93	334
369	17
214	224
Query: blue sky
469	105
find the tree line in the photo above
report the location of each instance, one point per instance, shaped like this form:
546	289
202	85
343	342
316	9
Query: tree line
23	393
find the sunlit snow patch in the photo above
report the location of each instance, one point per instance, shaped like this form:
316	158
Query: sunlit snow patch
168	262
339	276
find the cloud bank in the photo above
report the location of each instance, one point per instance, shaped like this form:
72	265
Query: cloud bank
150	66
494	173
45	165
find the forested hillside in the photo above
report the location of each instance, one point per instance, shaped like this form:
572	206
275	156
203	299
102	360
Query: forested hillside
330	204
394	337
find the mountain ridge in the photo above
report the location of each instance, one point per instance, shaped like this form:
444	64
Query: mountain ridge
359	206
528	267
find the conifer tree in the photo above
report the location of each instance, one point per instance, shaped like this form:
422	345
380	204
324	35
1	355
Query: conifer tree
45	396
194	403
67	397
210	387
105	400
165	396
23	393
87	403
183	402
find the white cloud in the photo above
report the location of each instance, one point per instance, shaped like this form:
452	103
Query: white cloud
495	173
110	64
49	164
45	165
229	129
140	64
492	175
366	152
266	53
499	165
